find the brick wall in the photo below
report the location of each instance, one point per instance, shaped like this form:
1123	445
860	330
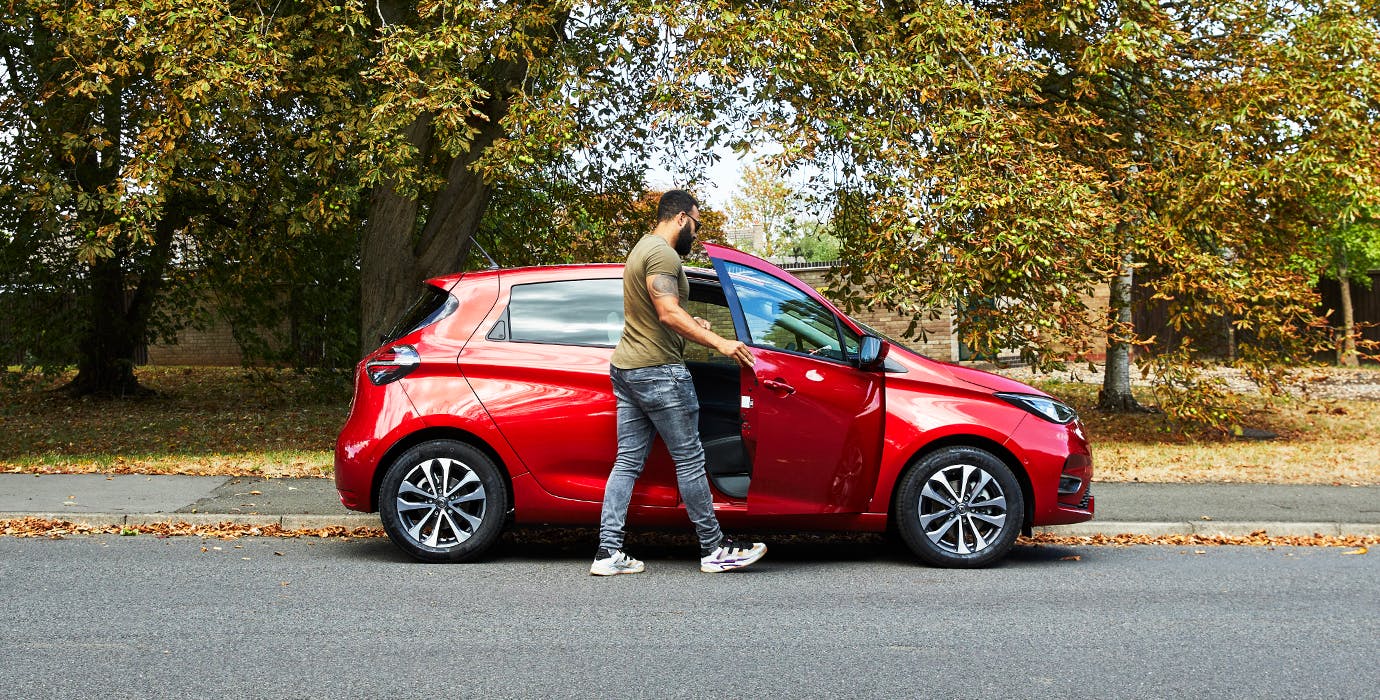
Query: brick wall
214	347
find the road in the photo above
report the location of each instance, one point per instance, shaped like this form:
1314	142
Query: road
140	617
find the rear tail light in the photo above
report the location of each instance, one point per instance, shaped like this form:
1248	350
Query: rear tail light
392	364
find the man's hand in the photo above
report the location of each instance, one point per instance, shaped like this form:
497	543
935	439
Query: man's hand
738	351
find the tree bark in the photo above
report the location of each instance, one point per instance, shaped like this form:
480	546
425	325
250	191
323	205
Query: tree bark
1346	348
119	317
1115	396
395	257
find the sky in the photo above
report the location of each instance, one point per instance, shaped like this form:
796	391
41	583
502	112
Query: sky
721	181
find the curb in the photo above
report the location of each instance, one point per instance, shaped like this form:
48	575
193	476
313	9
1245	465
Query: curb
354	520
1212	529
287	522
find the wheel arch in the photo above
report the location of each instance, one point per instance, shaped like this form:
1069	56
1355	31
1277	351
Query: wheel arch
979	442
440	432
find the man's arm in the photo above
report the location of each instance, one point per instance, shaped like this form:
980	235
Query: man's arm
665	293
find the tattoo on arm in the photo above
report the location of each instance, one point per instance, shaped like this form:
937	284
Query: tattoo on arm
664	286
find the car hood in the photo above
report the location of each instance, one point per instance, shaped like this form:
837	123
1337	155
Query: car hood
987	380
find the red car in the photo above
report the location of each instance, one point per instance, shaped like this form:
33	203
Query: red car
491	404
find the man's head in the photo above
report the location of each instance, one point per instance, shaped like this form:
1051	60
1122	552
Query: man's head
678	213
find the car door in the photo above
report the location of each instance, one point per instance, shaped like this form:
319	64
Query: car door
541	370
812	419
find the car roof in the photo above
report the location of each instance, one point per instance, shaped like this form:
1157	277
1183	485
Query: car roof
538	273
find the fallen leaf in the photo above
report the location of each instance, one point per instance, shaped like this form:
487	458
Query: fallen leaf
277	554
1073	557
1358	550
1200	551
1205	517
256	493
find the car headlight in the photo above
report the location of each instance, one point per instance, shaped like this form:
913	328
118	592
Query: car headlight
1042	406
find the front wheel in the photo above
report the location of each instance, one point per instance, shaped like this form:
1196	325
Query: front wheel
960	507
443	501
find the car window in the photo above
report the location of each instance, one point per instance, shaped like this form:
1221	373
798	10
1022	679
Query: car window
433	305
783	317
707	302
568	312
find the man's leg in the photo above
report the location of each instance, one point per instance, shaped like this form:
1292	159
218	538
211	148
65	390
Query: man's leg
675	411
635	433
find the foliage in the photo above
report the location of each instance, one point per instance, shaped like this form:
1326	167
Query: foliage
767	202
1008	156
142	137
1013	155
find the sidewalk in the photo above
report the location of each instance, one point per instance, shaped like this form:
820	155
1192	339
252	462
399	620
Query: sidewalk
1143	509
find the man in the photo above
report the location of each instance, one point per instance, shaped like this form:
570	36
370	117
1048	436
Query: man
655	393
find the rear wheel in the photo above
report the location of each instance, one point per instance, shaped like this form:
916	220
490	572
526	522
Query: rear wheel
443	501
960	507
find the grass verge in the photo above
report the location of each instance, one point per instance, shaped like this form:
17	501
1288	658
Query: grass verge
203	420
1333	442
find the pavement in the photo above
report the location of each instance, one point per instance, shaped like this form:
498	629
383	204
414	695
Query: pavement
1122	508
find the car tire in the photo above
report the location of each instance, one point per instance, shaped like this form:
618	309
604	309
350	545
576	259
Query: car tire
443	501
959	507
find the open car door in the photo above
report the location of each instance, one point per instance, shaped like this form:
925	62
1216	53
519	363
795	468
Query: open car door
812	416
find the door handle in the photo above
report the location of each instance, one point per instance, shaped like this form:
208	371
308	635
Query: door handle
779	385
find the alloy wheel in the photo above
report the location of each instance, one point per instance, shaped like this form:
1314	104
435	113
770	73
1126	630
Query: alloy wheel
441	502
962	509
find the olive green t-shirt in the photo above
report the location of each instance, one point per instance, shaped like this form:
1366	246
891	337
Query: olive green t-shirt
645	342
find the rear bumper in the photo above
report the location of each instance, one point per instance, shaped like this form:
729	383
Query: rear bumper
379	417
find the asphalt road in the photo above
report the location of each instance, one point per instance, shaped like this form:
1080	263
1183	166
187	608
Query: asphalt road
140	617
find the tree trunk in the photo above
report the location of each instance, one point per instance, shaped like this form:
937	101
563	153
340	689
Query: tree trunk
119	317
395	258
105	364
1115	396
1346	349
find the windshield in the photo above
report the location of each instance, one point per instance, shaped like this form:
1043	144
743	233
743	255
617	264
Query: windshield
894	342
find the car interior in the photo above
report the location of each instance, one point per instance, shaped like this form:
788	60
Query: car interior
717	384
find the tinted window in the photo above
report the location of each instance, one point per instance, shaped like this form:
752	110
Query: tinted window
574	312
434	305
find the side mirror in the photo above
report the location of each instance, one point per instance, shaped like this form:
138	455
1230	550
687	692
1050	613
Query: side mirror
872	353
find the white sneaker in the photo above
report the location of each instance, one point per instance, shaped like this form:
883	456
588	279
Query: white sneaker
730	555
614	564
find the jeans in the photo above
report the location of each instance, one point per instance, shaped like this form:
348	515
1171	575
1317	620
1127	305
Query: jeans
652	401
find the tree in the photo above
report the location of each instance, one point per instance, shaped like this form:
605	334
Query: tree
139	134
763	200
535	103
1014	154
1355	247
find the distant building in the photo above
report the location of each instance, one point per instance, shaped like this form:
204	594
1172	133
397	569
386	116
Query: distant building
752	237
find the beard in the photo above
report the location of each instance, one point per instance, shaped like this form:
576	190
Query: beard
685	239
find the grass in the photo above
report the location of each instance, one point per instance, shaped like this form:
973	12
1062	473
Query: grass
204	420
1335	442
236	422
